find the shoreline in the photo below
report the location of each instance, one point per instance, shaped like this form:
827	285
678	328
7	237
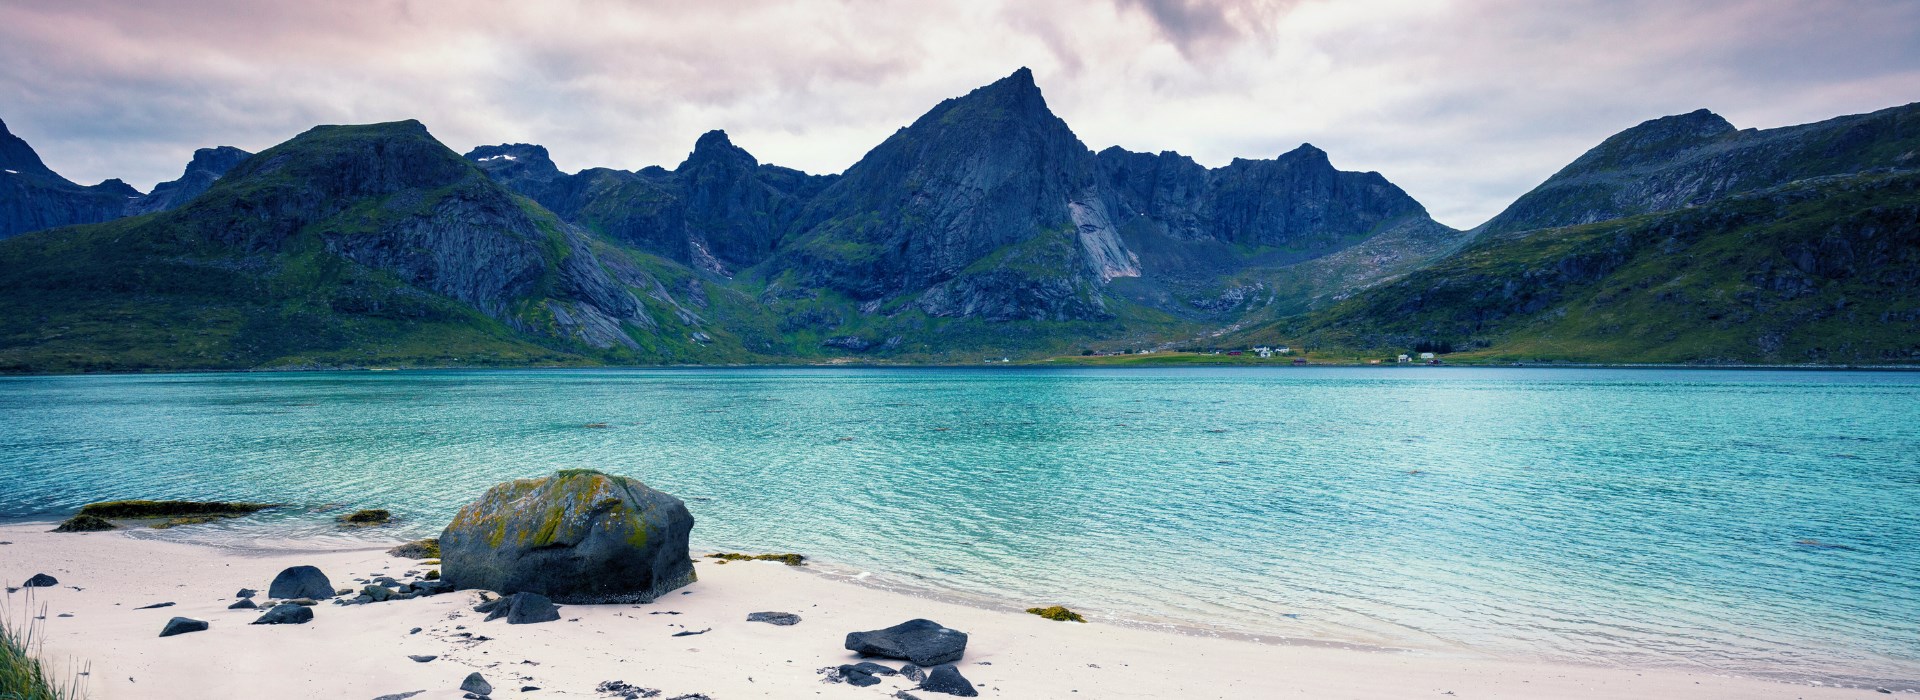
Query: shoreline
1012	655
1060	362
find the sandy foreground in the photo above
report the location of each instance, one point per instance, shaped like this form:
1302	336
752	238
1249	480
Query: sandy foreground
360	652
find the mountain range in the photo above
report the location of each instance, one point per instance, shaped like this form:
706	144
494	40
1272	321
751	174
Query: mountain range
985	228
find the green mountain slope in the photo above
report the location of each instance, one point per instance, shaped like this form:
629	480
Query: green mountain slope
359	245
1821	271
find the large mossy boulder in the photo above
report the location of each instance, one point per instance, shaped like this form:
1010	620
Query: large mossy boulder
579	536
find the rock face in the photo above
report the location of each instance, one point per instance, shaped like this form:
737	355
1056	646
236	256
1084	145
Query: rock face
208	165
300	582
182	625
992	170
579	536
923	642
720	211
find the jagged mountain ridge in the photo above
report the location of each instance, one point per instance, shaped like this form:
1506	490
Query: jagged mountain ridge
34	197
988	206
719	211
342	242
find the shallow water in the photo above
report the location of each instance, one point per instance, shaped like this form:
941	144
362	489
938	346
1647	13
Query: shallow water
1641	517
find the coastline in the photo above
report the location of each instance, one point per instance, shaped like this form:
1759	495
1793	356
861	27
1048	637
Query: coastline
361	651
1046	363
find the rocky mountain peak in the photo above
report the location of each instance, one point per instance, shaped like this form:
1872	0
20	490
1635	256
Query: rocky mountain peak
217	160
114	185
19	157
514	160
714	147
1654	141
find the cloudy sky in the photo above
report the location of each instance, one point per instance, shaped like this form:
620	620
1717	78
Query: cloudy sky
1466	104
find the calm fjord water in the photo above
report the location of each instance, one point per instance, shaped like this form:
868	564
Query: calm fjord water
1616	516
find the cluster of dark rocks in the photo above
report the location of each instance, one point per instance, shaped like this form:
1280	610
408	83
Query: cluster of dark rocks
928	648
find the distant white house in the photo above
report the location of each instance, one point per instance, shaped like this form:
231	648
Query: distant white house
1263	351
1426	356
1283	350
1403	358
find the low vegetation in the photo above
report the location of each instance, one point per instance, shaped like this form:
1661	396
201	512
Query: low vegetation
1058	614
22	675
788	559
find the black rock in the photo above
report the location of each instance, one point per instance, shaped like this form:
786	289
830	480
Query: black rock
41	581
913	673
774	618
415	630
689	633
923	642
869	668
300	582
246	593
529	608
476	684
947	679
422	658
243	604
529	688
432	587
400	696
857	678
182	625
155	605
489	605
579	536
286	614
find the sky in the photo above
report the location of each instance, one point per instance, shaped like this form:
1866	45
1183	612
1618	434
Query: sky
1466	105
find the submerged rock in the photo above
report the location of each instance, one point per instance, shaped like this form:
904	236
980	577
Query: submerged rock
41	581
182	625
476	684
923	642
300	582
366	518
579	536
783	619
947	679
286	614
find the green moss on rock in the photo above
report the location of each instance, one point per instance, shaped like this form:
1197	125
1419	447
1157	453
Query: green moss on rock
790	559
125	510
1058	614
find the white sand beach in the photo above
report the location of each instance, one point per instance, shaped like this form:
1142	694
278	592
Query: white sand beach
361	652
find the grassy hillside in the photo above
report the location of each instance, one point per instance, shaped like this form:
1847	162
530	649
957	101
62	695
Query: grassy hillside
1819	271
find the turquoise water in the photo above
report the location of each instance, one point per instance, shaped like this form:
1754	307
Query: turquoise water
1638	517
